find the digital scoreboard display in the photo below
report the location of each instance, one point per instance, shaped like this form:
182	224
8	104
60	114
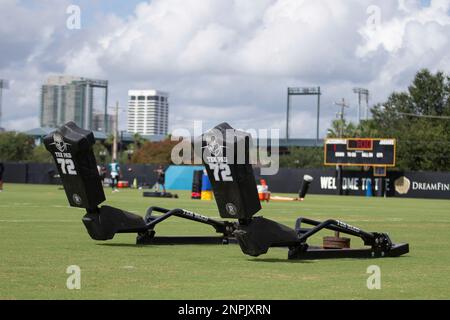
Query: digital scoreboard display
360	152
360	144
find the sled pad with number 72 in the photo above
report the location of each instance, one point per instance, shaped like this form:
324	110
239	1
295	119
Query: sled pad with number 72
71	148
226	155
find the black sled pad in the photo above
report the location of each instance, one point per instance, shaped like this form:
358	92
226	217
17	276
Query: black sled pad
108	221
159	195
260	234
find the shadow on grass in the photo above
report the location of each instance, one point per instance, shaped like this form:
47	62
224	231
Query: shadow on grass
273	260
124	245
130	245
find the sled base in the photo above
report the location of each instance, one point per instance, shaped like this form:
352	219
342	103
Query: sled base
178	240
317	253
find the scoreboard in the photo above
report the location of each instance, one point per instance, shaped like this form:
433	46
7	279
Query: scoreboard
360	152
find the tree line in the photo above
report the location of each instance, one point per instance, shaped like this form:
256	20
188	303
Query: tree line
419	118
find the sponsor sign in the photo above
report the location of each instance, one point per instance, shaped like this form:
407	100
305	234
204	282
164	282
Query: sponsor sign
431	185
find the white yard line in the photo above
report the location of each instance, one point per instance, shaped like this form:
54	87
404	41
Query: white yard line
32	206
38	221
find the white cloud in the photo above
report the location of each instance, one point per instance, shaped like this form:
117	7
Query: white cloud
391	34
229	60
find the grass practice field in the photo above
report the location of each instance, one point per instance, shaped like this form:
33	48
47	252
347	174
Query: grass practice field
40	236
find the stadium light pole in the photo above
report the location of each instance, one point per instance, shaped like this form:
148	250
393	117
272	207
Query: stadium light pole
303	91
4	84
361	92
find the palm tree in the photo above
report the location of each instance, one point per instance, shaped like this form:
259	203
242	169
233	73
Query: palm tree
342	129
138	140
337	129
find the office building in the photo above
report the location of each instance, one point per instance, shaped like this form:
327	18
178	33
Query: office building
148	112
67	98
98	122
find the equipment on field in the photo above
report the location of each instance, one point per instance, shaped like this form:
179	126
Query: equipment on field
160	195
207	194
263	191
197	185
307	179
265	195
228	165
122	184
226	156
71	148
336	242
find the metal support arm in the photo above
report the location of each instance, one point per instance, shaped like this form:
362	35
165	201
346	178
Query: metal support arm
226	228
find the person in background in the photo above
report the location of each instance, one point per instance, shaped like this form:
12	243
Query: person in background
114	170
2	170
161	180
102	173
99	170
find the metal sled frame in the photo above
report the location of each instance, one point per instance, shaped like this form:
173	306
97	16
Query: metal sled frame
380	243
236	197
148	237
105	222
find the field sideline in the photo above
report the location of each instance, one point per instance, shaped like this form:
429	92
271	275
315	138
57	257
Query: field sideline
40	236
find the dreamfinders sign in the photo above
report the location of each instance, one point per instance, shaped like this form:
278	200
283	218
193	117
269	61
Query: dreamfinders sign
404	185
431	186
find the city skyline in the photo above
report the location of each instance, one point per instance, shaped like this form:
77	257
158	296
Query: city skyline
71	98
67	98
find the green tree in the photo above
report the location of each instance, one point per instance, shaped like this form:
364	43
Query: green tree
154	152
412	117
302	158
138	141
417	118
342	129
366	129
15	146
41	155
101	153
429	94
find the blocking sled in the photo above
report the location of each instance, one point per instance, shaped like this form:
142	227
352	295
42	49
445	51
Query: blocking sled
226	154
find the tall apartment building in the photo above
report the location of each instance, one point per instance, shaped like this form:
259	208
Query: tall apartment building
99	124
67	98
148	112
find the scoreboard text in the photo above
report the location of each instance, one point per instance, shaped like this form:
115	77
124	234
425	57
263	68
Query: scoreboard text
360	152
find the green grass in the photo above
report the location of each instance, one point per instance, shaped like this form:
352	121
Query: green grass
40	236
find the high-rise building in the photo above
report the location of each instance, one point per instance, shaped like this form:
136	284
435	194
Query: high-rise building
98	122
67	98
148	112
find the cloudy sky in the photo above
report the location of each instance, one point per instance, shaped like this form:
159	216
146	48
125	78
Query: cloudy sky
223	60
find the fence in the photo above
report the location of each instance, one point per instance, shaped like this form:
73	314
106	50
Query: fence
432	185
46	173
